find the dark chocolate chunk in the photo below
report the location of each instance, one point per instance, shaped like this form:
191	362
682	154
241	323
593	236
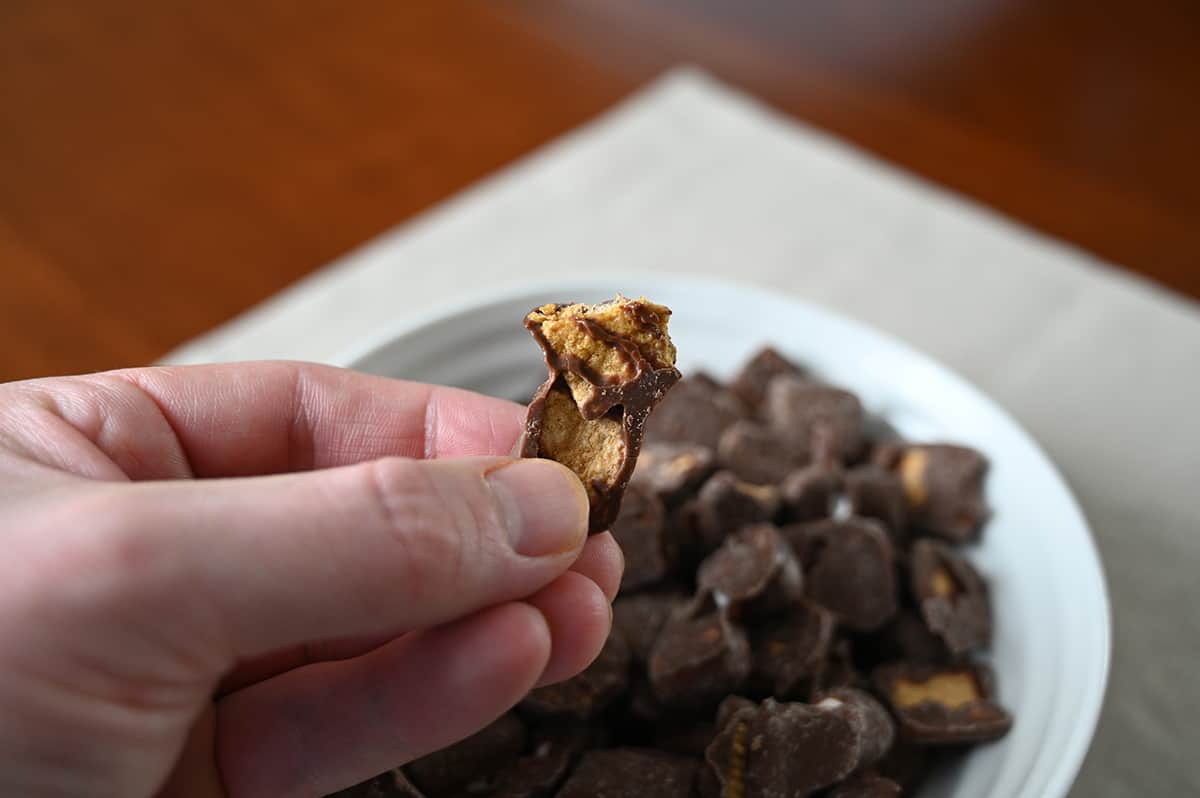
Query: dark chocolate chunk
904	637
751	382
877	493
698	661
609	365
585	695
872	724
672	470
789	650
644	705
708	785
886	453
393	784
942	704
809	493
840	669
631	773
787	750
724	505
756	454
640	530
907	764
811	417
951	595
730	706
848	568
753	572
537	774
639	619
944	485
696	411
864	785
451	771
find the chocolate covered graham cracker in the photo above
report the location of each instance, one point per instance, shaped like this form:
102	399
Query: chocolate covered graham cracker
609	365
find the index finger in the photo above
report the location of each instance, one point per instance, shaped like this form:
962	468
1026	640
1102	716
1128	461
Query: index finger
244	419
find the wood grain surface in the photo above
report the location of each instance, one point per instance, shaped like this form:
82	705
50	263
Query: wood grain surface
165	165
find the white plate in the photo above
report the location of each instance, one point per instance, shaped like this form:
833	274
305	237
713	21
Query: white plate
1051	648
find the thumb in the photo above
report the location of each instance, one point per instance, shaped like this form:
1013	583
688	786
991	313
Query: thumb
385	546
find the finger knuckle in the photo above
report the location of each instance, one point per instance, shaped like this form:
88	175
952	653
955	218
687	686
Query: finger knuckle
435	529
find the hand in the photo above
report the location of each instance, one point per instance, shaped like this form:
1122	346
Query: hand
273	579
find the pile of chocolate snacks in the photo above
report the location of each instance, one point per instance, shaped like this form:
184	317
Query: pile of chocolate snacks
794	618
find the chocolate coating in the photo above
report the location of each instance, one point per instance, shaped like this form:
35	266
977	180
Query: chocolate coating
951	596
586	694
752	573
849	569
698	661
591	417
942	704
790	650
640	530
448	771
944	486
750	384
788	750
632	773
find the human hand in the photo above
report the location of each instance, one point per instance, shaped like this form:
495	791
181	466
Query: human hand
222	580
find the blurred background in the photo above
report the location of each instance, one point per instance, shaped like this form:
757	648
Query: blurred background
166	165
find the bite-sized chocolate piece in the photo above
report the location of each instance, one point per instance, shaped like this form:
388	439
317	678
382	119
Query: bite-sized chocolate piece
871	722
809	493
537	774
393	784
724	505
864	785
450	771
731	706
944	486
609	365
877	493
753	572
951	595
585	695
672	470
631	773
756	454
708	785
750	385
840	669
698	661
942	704
907	764
801	410
644	705
696	411
904	637
886	453
788	750
789	650
639	619
848	568
640	530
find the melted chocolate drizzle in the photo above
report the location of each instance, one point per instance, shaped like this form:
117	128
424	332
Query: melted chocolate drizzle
627	399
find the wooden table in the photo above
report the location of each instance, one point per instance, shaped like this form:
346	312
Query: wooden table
164	165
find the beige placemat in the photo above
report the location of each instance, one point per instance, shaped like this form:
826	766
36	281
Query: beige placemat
691	176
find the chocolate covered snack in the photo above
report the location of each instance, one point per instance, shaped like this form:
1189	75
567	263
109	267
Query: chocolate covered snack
609	365
798	615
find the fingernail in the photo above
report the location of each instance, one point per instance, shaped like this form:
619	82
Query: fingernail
544	506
